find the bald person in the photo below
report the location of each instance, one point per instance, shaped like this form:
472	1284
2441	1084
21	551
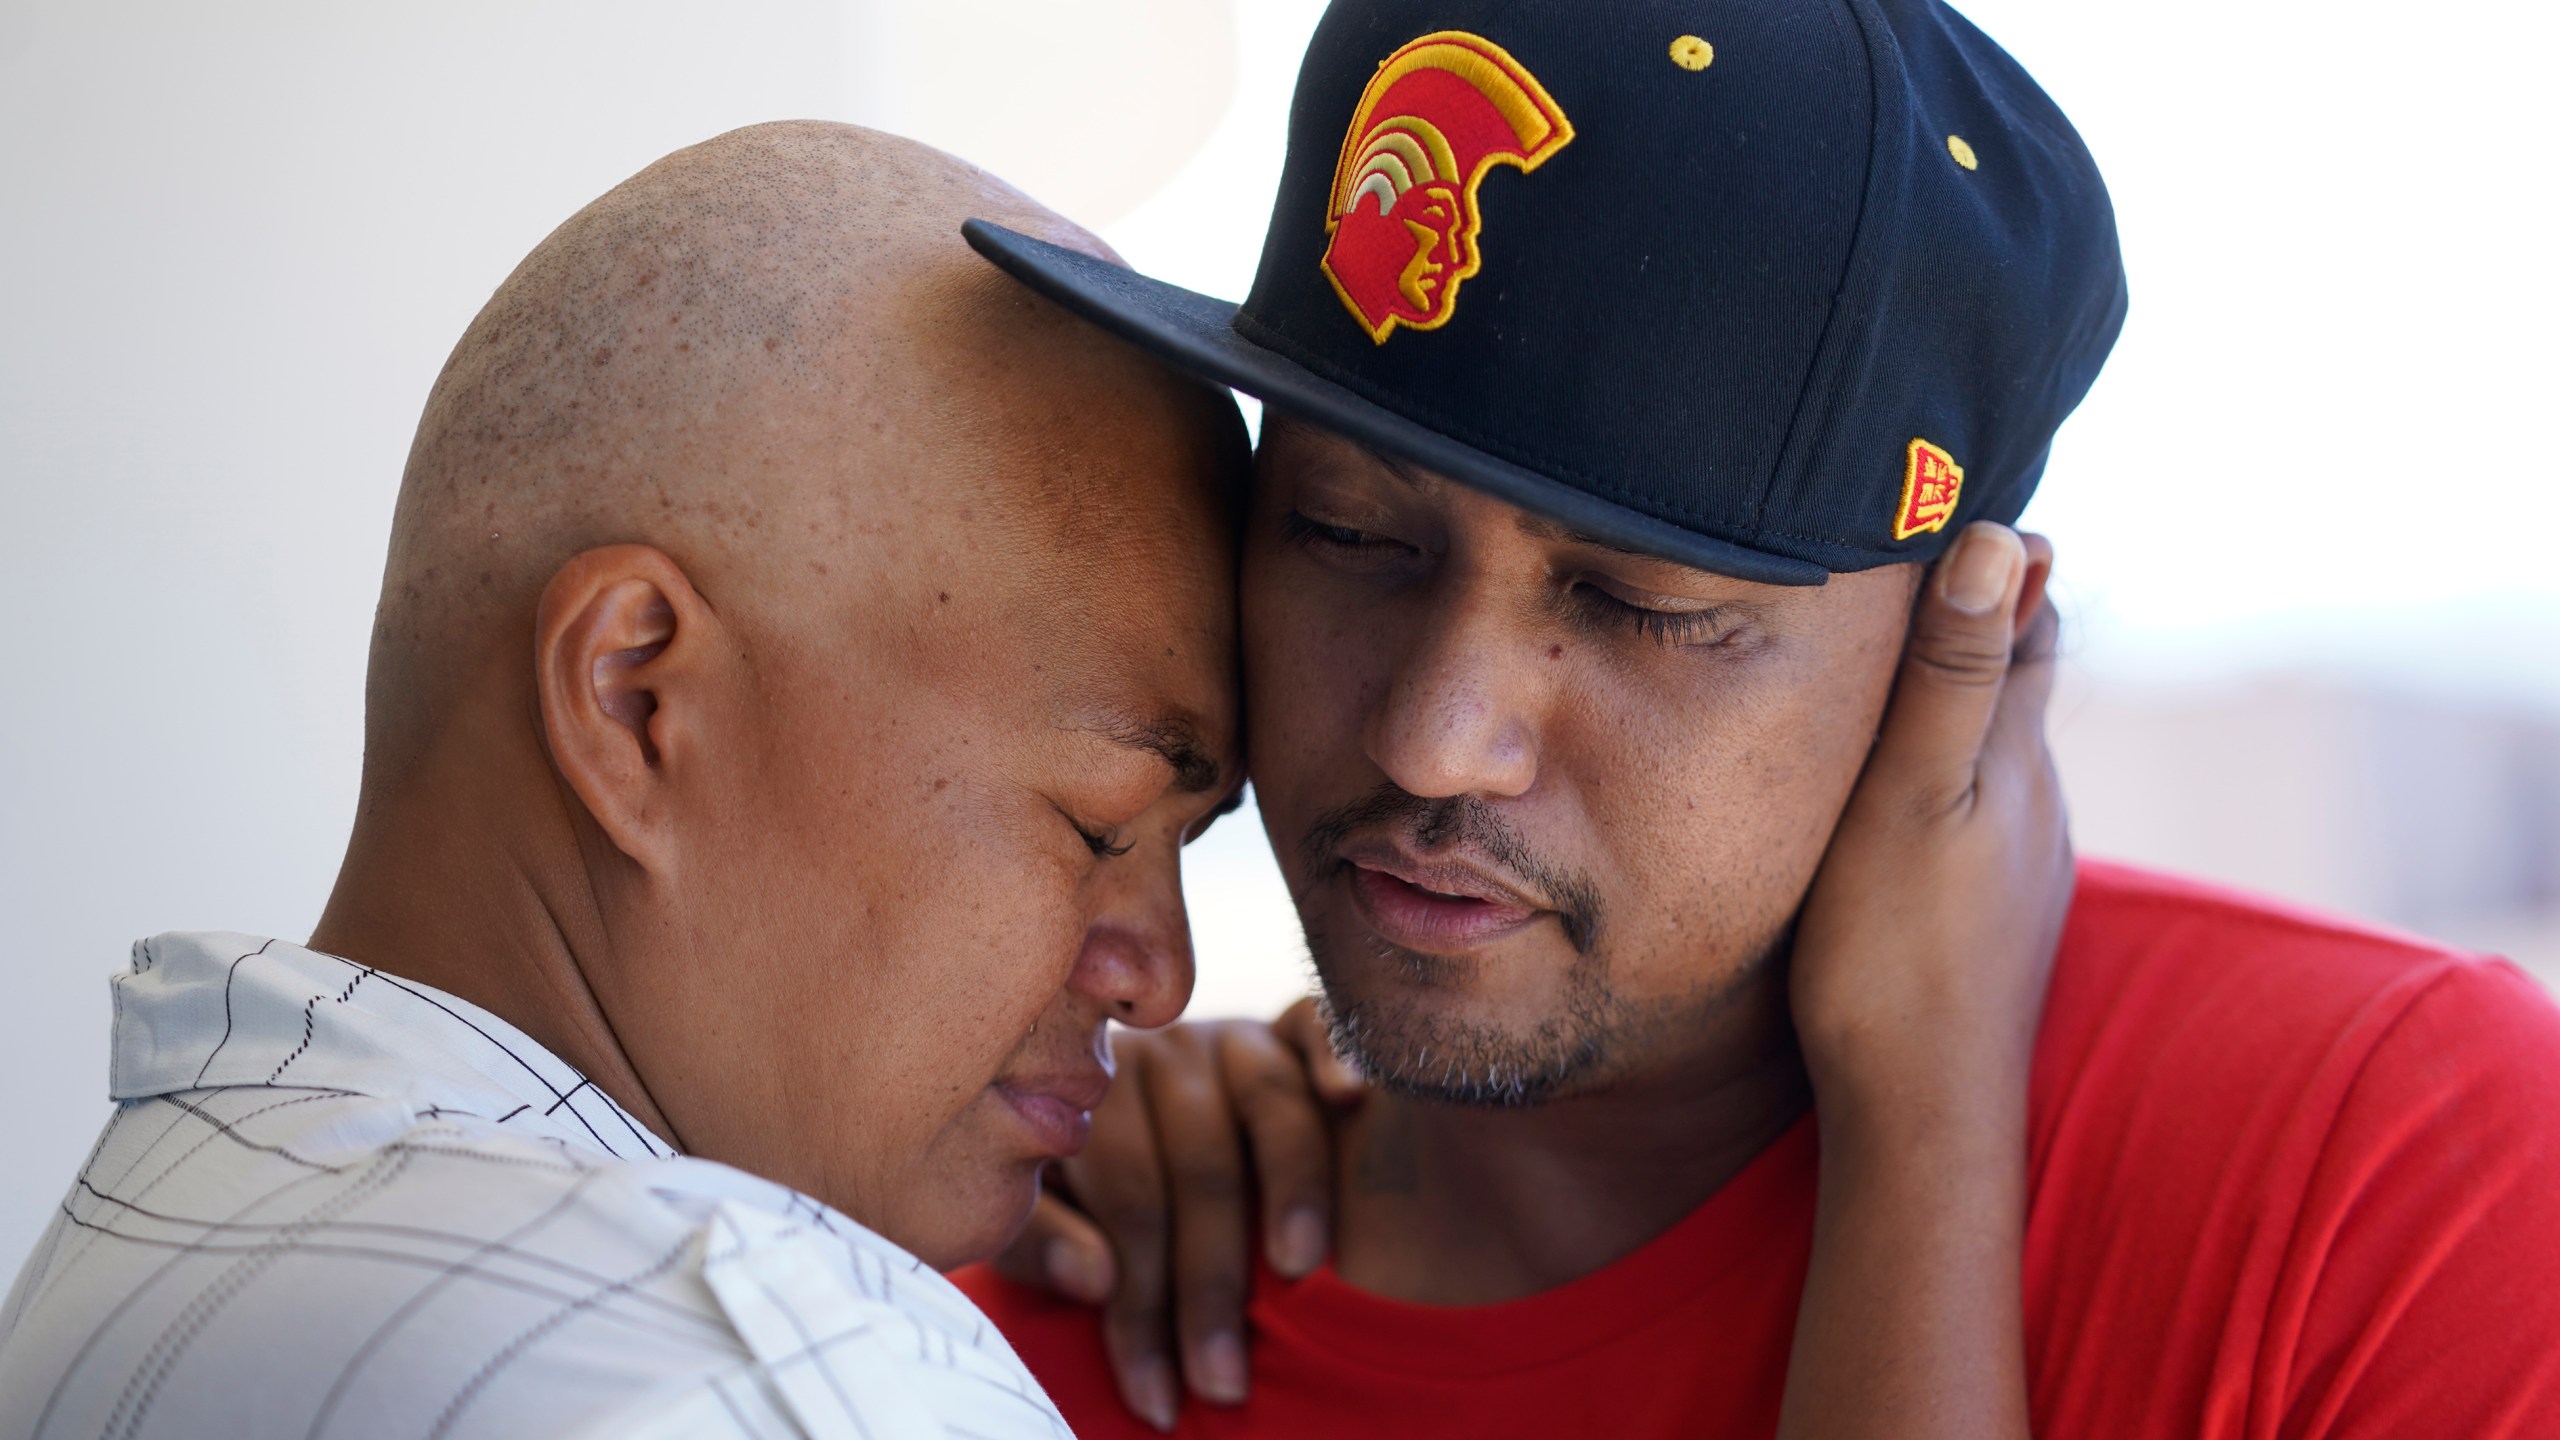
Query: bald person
801	656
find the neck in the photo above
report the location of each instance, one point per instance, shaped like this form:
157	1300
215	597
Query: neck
467	876
1450	1205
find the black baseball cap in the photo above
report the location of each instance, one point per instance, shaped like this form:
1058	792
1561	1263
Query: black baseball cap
1774	288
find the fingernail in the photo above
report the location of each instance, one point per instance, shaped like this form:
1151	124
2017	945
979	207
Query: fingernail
1220	1369
1151	1391
1077	1271
1351	1069
1980	568
1301	1247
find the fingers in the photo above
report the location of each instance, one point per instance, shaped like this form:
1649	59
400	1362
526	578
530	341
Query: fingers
2031	588
2017	724
1268	1084
1119	1181
1954	665
1061	1251
1336	1081
1158	1229
1215	1092
2016	759
1212	1239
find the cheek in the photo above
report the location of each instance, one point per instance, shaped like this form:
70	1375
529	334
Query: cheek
981	949
931	909
1315	660
1713	807
960	1183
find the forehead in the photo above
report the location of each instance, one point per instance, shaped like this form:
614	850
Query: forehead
1131	621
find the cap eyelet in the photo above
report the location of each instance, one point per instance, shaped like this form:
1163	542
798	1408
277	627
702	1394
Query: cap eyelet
1963	152
1691	53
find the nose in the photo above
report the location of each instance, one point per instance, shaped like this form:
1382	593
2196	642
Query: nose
1455	717
1136	961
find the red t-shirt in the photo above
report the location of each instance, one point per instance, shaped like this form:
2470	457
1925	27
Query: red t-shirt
2288	1178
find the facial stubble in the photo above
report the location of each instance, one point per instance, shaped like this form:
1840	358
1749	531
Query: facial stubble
1408	1041
1406	1044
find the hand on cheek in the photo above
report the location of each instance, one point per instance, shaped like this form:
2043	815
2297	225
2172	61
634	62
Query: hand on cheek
1918	982
1921	956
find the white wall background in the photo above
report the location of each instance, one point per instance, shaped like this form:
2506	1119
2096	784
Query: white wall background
237	241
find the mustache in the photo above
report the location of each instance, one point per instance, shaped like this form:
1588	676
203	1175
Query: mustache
1448	823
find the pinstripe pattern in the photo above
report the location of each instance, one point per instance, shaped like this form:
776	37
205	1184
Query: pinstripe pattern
333	1203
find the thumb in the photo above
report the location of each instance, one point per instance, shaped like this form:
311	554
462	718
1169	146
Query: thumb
1962	632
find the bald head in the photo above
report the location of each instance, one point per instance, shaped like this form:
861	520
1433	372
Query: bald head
763	354
802	655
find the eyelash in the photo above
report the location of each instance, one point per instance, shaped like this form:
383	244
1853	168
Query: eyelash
1100	842
1669	629
1297	529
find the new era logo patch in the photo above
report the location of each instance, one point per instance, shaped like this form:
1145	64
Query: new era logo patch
1930	487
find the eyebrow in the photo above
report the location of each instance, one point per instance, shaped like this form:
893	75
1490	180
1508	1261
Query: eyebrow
1538	527
1412	475
1174	741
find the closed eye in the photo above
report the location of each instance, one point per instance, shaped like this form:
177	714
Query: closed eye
1310	534
1713	625
1104	842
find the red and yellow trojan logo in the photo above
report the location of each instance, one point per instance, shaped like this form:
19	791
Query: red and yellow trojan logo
1439	113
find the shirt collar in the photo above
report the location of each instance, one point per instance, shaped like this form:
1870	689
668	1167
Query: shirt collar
202	1010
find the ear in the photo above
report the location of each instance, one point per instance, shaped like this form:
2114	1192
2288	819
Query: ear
622	645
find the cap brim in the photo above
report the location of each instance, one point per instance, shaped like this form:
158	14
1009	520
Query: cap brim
1198	334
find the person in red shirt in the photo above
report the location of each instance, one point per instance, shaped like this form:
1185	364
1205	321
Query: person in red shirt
1626	364
2287	1176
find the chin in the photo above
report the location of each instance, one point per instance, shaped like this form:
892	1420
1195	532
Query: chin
950	1220
1445	1043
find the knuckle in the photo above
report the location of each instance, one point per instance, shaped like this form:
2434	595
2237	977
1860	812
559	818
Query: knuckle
1260	1034
1132	1331
1138	1226
1135	1049
1958	663
1256	1054
1212	1301
1281	1081
1194	1082
1208	1184
1193	1043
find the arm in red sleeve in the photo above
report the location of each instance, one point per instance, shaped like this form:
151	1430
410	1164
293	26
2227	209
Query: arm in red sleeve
2420	1295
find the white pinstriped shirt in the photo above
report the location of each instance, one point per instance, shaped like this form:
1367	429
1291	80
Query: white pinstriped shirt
333	1203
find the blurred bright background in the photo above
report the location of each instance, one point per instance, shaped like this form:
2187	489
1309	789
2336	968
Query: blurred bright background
2306	521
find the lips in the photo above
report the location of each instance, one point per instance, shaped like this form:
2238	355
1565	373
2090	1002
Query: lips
1434	906
1057	1109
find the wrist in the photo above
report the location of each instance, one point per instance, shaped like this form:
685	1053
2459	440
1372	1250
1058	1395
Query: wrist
1970	1112
1949	1060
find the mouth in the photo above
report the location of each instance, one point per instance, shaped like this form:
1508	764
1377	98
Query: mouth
1055	1110
1434	906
